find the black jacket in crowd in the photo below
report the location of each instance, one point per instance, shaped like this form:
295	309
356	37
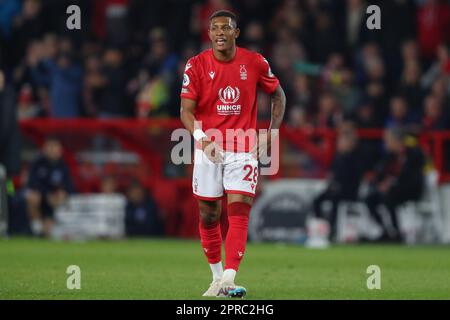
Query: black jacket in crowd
407	170
46	176
346	173
142	219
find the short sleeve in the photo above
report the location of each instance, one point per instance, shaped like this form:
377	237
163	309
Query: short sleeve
190	87
267	80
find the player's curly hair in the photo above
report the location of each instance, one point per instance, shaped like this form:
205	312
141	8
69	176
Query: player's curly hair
224	13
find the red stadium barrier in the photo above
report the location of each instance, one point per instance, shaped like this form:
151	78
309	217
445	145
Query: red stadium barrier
150	141
128	132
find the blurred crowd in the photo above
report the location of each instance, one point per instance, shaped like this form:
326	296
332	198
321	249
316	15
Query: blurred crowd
128	57
397	177
48	184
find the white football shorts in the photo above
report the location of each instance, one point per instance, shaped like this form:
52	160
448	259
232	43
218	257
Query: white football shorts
238	173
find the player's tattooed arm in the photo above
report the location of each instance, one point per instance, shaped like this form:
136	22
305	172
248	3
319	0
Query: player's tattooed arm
278	101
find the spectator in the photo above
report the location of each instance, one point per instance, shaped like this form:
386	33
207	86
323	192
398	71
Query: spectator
410	51
354	22
343	180
285	52
434	118
8	10
160	60
325	41
398	116
93	84
153	97
157	77
142	214
288	14
9	129
28	76
49	184
398	24
369	64
439	68
398	178
26	107
410	88
298	119
27	25
441	90
109	20
369	148
254	36
65	86
329	115
433	23
376	93
302	93
108	185
346	92
112	84
54	75
364	115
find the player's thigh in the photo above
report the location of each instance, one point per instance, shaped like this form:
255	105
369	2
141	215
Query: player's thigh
240	175
207	178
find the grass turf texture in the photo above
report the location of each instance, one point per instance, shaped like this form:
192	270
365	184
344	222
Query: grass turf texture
173	269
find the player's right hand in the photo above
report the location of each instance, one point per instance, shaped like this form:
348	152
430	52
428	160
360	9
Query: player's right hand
212	150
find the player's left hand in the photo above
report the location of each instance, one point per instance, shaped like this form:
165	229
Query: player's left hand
262	146
213	151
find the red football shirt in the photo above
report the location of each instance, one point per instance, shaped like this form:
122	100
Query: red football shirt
226	92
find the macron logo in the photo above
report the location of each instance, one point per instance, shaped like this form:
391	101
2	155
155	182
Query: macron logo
206	250
240	254
211	74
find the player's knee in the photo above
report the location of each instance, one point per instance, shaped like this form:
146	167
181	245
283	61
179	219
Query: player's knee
240	198
209	212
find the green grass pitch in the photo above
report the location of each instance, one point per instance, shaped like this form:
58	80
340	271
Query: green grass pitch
175	269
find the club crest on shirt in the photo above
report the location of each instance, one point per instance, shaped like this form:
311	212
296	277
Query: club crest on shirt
243	72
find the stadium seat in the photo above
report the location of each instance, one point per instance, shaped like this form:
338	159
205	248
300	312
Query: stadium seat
423	218
348	229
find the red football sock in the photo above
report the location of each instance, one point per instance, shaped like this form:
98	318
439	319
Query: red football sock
238	214
211	239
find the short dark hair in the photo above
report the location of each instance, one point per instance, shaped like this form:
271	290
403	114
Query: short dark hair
224	13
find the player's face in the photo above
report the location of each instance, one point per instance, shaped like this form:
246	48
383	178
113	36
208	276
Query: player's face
223	33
